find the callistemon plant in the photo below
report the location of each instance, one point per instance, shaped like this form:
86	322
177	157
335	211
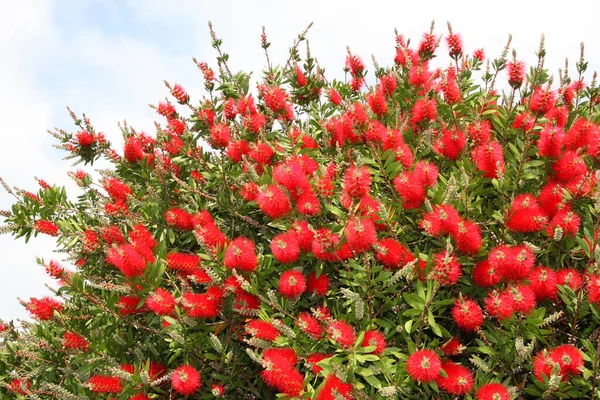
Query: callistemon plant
411	232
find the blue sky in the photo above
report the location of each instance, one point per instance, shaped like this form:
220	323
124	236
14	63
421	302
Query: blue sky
109	59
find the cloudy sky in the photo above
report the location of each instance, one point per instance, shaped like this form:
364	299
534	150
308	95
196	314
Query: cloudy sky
109	59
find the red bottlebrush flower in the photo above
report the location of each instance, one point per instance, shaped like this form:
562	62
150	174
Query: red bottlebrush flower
569	358
459	380
237	150
166	109
489	158
354	64
360	234
450	143
569	276
275	98
543	365
250	191
565	219
512	263
73	341
47	227
392	253
318	286
133	150
378	102
524	121
455	45
468	237
292	284
300	77
552	198
309	325
357	182
262	330
176	126
485	275
313	360
411	189
443	220
499	305
112	234
255	122
285	247
139	396
116	189
526	214
85	139
128	305
424	110
446	269
427	172
280	372
273	202
450	87
186	380
593	287
19	386
217	390
542	100
54	269
241	254
467	314
304	140
179	218
523	298
304	235
493	391
423	366
308	204
542	280
174	145
374	338
581	134
246	303
230	109
203	305
161	302
429	43
180	94
335	97
419	75
480	131
388	84
220	135
43	309
452	347
105	384
551	140
342	333
335	389
516	73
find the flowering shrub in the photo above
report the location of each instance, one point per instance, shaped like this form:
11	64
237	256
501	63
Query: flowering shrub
420	237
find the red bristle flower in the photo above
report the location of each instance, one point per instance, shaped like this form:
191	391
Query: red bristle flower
139	396
480	131
241	254
203	305
179	218
512	263
313	360
43	309
183	262
388	83
292	284
542	280
357	182
317	286
128	305
455	45
112	234
374	338
105	384
217	390
423	366
467	314
180	94
543	365
84	138
468	237
410	187
354	64
378	102
565	219
176	126
551	140
542	100
450	87
285	247
280	372
360	234
334	389
237	150
569	276
304	234
524	121
452	347
245	303
429	43
523	298
220	135
446	269
493	391
581	134
479	55
73	341
392	253
593	288
273	202
516	73
309	325
262	330
342	333
489	158
450	143
186	380
499	305
19	386
459	380
250	191
116	189
90	241
443	220
569	358
485	275
300	77
308	204
526	214
255	122
424	110
47	227
335	97
133	150
54	269
552	198
161	302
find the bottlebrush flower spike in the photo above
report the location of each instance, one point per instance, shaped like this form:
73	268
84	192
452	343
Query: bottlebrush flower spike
526	215
313	359
73	341
455	44
334	389
241	254
593	288
85	139
273	202
516	73
262	330
569	166
450	143
335	97
459	380
424	366
523	298
357	182
292	284
480	131
446	269
105	384
569	276
43	309
178	218
542	100
467	314
392	253
285	247
360	234
317	286
551	139
512	264
280	372
342	333
378	102
166	109
542	280
186	380
300	77
499	305
355	65
133	150
565	219
220	135
468	237
309	325
180	94
489	158
47	227
374	338
161	302
569	358
485	275
493	391
203	305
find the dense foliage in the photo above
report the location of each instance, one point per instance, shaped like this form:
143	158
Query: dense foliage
420	237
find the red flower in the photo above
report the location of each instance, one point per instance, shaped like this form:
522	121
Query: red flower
220	135
392	253
273	202
203	305
423	366
468	237
459	380
542	100
262	330
452	347
85	139
446	269
467	314
543	365
237	150
424	110
111	234
523	298
47	227
480	131
485	275
378	102
309	325
128	305
300	77
411	188
526	214
186	380
565	219
455	44
292	284
516	73
73	341
357	182
342	333
512	263
117	190
450	143
493	391
180	94
318	286
569	358
499	305
166	109
183	262
241	254
569	276
355	64
280	372
360	234
19	386
593	286
550	142
43	309
542	280
335	389
245	303
304	234
105	384
489	158
552	198
374	338
133	150
161	302
313	359
335	97
285	247
179	218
